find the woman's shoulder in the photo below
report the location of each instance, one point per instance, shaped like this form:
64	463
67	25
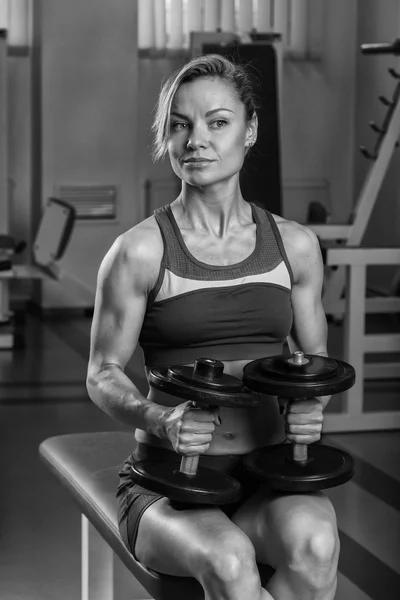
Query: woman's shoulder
143	241
137	251
295	236
301	246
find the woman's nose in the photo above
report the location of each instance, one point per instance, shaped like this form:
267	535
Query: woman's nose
197	138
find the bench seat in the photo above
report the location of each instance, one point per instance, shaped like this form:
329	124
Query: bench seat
87	465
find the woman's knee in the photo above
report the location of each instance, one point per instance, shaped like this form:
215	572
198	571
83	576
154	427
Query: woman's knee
229	558
323	544
312	547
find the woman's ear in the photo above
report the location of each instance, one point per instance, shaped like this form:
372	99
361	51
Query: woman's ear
252	128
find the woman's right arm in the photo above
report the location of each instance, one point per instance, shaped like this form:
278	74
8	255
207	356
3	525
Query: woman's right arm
126	275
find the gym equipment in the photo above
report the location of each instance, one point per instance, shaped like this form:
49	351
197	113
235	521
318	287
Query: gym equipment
86	465
51	241
8	248
385	48
53	235
345	287
205	384
299	467
356	415
351	234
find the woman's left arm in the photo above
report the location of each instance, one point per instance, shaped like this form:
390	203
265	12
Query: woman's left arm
309	330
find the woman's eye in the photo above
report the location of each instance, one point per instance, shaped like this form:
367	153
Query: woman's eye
219	123
179	126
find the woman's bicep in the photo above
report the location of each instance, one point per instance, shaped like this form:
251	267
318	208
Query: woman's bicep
120	306
309	332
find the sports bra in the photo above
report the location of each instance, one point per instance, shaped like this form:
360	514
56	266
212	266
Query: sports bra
235	312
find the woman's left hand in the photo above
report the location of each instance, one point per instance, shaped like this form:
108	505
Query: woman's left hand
303	419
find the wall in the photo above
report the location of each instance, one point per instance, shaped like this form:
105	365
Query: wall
19	142
89	100
152	72
317	119
97	108
4	216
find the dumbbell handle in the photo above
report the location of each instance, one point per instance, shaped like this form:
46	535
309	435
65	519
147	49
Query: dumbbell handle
189	464
299	453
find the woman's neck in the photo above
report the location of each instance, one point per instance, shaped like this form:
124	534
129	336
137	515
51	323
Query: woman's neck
211	210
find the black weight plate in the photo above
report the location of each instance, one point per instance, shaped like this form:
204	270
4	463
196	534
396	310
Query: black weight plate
315	368
255	379
240	397
206	487
326	467
185	375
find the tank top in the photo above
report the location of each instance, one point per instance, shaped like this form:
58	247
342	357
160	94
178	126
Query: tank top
235	312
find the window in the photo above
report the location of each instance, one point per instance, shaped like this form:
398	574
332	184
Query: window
165	25
15	18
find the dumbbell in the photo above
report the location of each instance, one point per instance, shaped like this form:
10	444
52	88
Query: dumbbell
206	385
299	467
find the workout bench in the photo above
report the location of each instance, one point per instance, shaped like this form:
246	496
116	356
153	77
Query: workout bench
87	466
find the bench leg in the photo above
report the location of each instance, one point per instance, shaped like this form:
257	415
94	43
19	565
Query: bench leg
103	576
97	563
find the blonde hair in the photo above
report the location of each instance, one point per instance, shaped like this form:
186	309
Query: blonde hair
209	65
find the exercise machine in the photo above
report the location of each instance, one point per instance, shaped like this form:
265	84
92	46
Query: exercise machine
351	234
49	246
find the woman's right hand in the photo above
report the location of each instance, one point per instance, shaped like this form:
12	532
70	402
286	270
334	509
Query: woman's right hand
189	428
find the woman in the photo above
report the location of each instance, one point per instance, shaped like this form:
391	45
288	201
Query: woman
212	275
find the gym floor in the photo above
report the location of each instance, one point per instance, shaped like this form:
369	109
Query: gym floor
42	393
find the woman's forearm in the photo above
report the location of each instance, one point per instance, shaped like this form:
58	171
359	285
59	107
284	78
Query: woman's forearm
113	392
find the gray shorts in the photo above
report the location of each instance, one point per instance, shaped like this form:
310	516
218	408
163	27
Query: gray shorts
134	499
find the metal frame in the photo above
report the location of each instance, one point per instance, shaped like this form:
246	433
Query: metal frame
357	343
353	233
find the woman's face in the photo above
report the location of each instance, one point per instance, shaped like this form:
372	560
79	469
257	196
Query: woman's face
208	132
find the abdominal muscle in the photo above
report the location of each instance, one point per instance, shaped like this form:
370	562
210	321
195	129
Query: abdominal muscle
242	430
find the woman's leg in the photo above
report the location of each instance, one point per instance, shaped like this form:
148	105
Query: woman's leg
200	542
297	535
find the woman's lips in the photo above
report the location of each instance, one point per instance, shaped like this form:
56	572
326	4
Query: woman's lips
198	162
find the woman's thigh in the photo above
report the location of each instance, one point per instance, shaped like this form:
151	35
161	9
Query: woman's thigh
181	542
274	521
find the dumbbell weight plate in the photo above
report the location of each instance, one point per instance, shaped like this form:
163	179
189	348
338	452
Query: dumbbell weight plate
205	385
326	467
226	391
300	376
277	376
208	486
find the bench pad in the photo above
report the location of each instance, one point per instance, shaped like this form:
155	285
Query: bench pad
87	464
